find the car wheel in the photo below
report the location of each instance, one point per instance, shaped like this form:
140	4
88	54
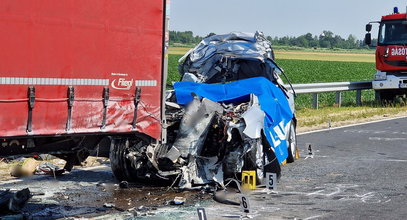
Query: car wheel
292	144
263	160
128	159
270	162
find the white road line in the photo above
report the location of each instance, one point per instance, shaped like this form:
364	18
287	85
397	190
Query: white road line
385	160
352	125
10	181
386	139
313	217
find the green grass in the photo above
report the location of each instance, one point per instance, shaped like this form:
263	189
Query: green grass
325	56
329	50
173	75
312	71
311	119
184	47
304	54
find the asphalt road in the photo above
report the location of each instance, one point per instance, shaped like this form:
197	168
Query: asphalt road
356	172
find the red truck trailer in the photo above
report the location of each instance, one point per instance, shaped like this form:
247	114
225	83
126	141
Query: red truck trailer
75	74
83	76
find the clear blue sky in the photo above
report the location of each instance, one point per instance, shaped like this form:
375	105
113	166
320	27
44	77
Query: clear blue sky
279	17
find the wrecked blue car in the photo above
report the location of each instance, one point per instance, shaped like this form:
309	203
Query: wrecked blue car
230	112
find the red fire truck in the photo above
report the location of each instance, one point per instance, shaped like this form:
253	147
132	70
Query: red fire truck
75	75
391	55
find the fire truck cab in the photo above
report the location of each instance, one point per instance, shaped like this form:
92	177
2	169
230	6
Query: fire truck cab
390	79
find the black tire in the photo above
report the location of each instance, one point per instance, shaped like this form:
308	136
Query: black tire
386	95
292	144
118	161
124	168
271	164
268	160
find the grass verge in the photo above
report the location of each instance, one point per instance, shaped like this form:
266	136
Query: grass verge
325	56
322	55
315	119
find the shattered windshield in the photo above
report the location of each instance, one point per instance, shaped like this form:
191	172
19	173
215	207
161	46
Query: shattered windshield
393	33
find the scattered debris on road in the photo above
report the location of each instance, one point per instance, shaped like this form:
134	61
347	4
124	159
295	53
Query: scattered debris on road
124	184
13	202
178	201
46	168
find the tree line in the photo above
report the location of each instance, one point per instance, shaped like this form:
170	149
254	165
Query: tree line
327	39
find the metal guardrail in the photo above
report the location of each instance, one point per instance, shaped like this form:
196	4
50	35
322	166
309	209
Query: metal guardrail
338	87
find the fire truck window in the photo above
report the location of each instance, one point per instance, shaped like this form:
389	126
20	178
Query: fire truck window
382	33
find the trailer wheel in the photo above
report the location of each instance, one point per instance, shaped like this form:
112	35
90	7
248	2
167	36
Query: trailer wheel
128	159
292	144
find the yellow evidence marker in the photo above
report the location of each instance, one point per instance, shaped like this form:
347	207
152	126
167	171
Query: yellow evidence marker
249	179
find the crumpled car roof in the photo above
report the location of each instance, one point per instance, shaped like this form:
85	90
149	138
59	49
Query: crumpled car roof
237	44
231	53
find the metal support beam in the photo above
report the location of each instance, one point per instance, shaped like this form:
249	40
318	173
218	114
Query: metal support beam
338	99
377	95
315	100
31	104
358	97
71	99
105	105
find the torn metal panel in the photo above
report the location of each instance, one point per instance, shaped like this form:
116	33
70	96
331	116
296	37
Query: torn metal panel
231	126
200	171
233	162
191	134
254	119
194	126
189	77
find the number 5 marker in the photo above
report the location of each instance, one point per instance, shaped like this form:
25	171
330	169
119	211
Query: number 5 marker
271	181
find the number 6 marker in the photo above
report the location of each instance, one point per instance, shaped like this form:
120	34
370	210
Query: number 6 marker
244	203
